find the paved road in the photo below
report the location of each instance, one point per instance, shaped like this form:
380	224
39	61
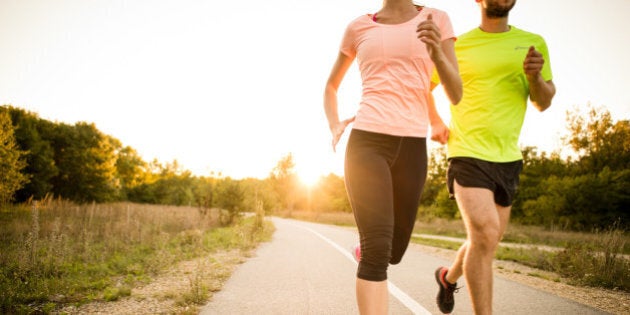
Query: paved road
307	269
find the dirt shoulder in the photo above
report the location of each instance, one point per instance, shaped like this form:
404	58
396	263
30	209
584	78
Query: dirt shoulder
614	302
182	289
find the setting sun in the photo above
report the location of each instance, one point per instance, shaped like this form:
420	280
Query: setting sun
308	176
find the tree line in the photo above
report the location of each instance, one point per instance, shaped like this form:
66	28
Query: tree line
587	189
40	159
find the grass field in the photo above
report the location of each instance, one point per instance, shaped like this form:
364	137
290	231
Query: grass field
57	253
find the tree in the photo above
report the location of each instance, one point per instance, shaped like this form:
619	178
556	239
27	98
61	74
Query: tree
11	161
203	193
259	191
591	192
285	181
435	199
166	184
598	140
30	136
537	167
436	177
582	202
330	195
229	196
131	170
87	163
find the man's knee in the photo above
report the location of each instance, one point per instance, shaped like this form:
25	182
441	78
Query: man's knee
484	237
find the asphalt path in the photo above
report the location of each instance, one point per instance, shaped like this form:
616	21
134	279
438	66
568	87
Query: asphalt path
308	268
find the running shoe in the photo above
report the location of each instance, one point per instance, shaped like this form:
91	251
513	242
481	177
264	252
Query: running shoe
445	300
356	252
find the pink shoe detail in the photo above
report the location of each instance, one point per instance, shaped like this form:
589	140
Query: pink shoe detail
357	252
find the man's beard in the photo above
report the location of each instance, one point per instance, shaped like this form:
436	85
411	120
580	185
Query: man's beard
495	11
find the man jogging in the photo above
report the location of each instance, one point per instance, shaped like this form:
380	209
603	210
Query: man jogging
501	68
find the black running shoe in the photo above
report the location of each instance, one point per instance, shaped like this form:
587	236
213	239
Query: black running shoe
445	299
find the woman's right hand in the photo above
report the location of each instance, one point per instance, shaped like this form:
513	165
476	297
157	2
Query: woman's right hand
429	34
442	53
337	131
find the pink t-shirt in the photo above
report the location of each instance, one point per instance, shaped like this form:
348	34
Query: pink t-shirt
396	72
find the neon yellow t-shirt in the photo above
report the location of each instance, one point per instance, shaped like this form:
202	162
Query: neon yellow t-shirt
487	122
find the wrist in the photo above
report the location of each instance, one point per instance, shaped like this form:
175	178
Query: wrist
438	57
333	125
436	121
534	78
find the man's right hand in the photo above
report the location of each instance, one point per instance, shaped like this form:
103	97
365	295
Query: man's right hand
439	132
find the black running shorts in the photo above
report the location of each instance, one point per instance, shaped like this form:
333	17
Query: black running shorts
500	178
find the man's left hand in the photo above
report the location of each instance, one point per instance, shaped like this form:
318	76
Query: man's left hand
533	63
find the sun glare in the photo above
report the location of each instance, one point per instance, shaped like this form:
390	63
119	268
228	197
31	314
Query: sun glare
309	176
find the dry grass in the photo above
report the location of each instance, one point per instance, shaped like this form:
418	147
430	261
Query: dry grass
55	252
335	218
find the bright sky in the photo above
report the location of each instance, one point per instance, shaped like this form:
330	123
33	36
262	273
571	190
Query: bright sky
233	86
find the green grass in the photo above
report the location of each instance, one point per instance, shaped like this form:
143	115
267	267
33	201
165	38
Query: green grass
528	234
443	227
436	242
58	253
588	264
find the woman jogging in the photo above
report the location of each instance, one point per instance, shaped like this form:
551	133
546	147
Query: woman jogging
397	49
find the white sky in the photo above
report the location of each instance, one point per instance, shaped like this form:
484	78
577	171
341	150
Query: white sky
233	86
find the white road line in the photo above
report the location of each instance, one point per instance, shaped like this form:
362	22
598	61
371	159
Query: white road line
405	299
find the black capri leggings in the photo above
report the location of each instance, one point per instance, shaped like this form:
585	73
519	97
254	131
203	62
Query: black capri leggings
384	178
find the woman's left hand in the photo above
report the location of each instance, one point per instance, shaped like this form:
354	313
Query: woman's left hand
439	132
429	33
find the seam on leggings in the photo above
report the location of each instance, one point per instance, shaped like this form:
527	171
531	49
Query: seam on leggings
397	154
